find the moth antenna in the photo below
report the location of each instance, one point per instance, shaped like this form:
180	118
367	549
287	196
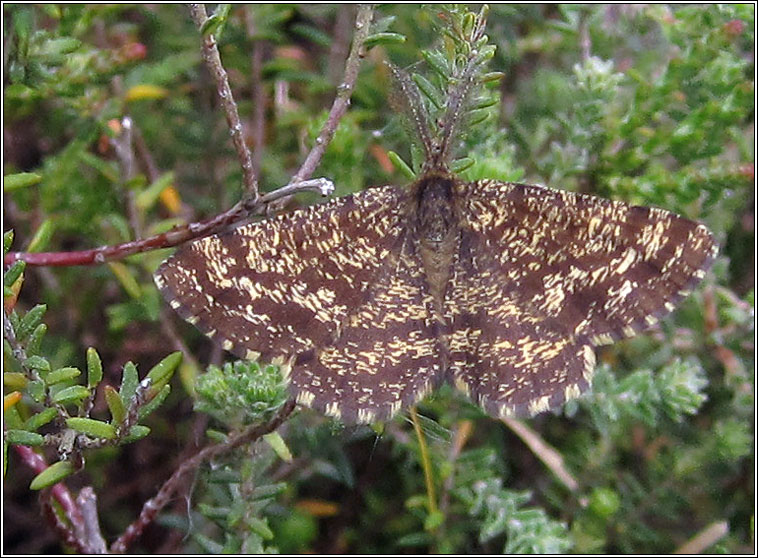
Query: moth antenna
456	108
406	100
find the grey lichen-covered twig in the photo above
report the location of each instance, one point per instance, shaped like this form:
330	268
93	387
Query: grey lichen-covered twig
258	94
213	61
344	92
87	501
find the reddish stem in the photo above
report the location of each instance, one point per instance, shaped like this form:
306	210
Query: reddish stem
59	491
174	237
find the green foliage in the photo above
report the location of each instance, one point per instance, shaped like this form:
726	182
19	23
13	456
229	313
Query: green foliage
674	391
237	395
52	396
240	393
651	104
235	502
528	531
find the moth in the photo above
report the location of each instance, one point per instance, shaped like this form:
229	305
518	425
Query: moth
371	301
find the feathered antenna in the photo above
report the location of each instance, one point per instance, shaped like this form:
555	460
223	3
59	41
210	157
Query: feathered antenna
439	109
456	108
406	99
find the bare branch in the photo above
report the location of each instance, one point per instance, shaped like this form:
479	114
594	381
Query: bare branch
177	235
344	92
59	492
65	533
257	90
213	60
94	541
153	506
251	202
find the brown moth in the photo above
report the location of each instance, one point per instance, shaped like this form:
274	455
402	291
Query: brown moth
371	301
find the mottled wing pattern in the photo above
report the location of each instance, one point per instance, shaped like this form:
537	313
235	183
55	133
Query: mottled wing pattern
280	287
512	363
386	355
543	275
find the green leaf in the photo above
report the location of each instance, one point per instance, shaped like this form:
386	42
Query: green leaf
312	33
129	382
12	418
58	46
161	373
384	39
30	321
206	544
137	432
125	276
20	180
225	476
434	520
7	241
604	502
14	380
477	116
147	197
54	474
94	368
437	62
277	443
36	390
401	165
23	437
92	427
268	491
62	374
40	419
154	403
215	23
216	436
115	404
42	236
429	90
460	165
14	272
485	102
71	394
492	76
414	539
260	527
214	512
36	362
35	339
467	27
486	53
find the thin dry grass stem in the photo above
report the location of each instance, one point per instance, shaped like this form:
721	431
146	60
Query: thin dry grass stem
705	539
426	462
544	451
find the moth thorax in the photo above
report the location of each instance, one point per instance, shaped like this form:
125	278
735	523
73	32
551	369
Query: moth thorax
435	213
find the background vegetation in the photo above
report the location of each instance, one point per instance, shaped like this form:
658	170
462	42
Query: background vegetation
648	104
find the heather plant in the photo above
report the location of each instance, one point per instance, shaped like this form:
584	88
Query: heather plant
123	125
